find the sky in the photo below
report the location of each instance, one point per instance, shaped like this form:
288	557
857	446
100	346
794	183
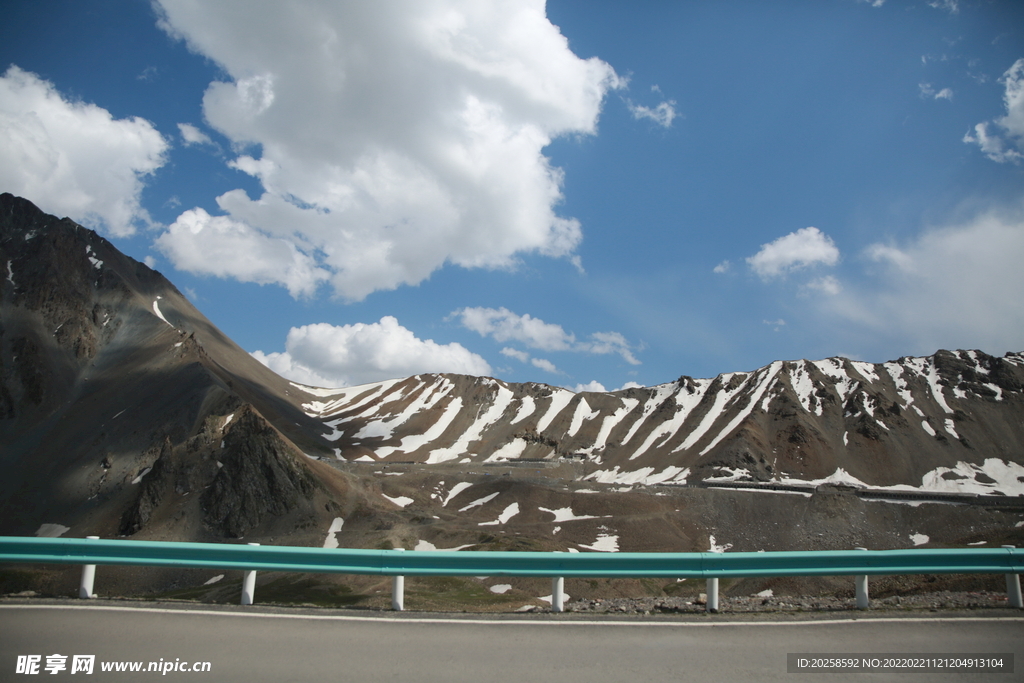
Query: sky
592	194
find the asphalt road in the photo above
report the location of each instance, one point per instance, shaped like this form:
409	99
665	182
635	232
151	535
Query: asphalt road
278	646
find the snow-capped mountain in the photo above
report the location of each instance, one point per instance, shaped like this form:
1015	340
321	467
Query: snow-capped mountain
125	412
949	422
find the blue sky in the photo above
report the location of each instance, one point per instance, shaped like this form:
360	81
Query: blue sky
579	193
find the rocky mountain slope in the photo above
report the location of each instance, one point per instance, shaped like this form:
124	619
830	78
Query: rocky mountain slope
125	412
951	422
119	400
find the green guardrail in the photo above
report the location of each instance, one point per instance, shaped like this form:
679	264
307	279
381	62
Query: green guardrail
447	563
397	563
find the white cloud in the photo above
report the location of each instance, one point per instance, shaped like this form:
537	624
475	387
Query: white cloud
521	356
593	385
1007	142
723	267
503	325
800	249
329	355
951	6
953	287
663	114
394	137
545	365
201	243
192	135
630	385
928	91
826	285
73	158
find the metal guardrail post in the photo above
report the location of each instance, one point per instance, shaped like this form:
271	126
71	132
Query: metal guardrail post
249	585
398	591
861	583
88	578
1013	588
557	594
712	595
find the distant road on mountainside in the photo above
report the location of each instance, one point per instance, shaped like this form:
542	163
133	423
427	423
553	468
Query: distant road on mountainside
300	645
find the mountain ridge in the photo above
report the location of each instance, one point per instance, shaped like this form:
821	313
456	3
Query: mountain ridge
125	412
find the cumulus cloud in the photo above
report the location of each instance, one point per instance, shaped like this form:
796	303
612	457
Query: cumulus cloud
723	267
73	158
503	325
521	356
524	357
393	138
193	136
335	356
797	250
593	385
1006	140
545	365
953	287
201	243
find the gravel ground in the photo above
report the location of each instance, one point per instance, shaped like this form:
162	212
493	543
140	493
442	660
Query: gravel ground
942	600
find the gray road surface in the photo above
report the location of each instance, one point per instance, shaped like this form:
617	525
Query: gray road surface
259	645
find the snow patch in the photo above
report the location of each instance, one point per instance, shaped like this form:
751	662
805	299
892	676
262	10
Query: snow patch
567	515
732	474
582	414
400	501
919	539
500	588
142	474
480	501
513	450
427	546
715	548
560	398
526	408
213	580
608	424
507	514
743	414
605	543
644	475
456	490
156	310
332	541
50	530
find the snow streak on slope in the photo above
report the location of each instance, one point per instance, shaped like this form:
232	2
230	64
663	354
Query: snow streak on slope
865	421
583	412
686	400
560	398
800	380
610	422
762	385
497	409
